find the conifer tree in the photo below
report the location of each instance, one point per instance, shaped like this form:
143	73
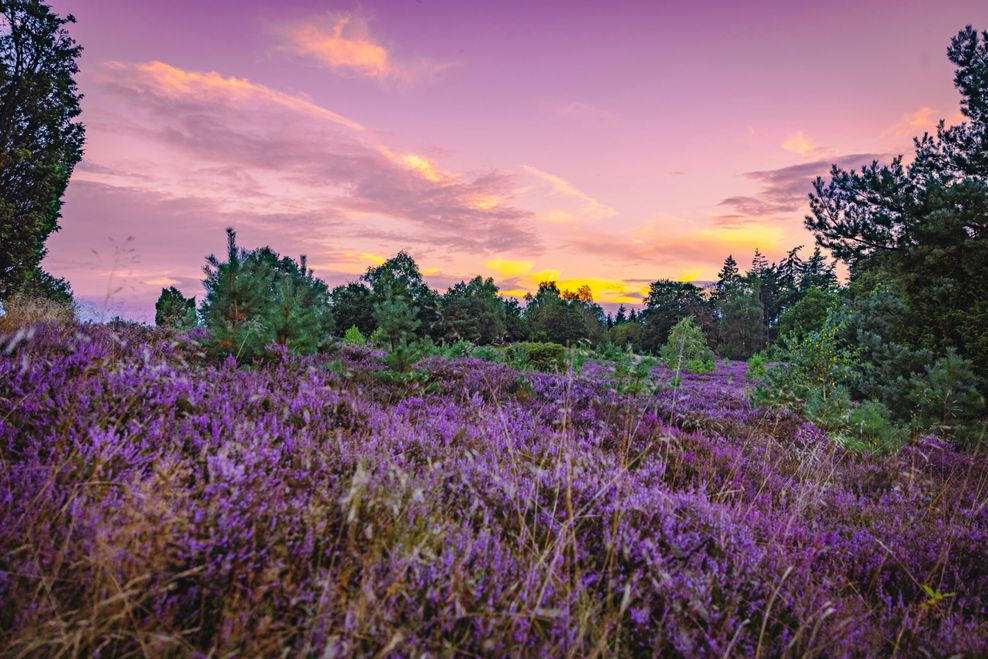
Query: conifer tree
40	139
743	331
174	310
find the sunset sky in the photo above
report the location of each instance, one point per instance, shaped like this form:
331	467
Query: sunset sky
606	143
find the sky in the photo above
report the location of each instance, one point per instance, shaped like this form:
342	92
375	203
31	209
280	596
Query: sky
601	143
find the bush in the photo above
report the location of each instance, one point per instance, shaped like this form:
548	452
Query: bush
175	311
355	336
701	366
871	429
487	353
947	400
756	367
548	357
458	349
686	344
814	368
20	310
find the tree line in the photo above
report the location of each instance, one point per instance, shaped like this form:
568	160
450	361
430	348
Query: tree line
905	338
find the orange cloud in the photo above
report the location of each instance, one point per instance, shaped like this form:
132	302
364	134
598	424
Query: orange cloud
342	41
910	125
173	82
801	145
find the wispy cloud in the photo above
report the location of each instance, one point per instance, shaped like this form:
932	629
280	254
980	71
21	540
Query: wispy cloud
800	144
783	190
591	209
206	131
343	42
581	110
915	123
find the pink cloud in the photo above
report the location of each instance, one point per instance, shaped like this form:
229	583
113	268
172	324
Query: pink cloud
343	42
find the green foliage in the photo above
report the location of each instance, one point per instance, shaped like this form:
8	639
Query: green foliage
743	331
686	344
563	317
756	366
815	366
947	400
256	298
458	350
174	310
626	334
39	285
396	319
667	303
701	366
728	277
809	313
355	336
921	227
40	141
399	276
548	357
487	353
353	306
870	429
473	312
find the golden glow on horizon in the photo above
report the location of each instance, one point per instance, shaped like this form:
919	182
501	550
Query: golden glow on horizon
509	268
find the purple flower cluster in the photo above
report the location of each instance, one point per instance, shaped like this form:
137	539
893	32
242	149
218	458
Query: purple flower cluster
154	501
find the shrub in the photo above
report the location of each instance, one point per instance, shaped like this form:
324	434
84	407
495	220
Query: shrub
871	429
20	310
458	349
701	366
175	311
686	344
548	357
487	353
947	400
756	367
355	336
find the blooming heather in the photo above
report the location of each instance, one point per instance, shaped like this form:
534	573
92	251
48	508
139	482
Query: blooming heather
155	501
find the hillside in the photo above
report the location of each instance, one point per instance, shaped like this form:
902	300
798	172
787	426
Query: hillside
156	501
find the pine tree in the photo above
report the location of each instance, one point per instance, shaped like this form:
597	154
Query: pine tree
621	316
257	298
743	331
40	141
174	310
727	278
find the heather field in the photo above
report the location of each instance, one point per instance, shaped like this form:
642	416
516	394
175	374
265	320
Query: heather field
156	502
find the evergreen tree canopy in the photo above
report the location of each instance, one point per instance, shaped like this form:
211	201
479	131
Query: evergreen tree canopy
743	331
666	304
174	310
925	225
728	277
400	276
353	306
472	311
40	141
256	298
554	317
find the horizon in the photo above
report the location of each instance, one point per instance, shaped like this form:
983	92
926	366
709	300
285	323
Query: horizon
602	146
